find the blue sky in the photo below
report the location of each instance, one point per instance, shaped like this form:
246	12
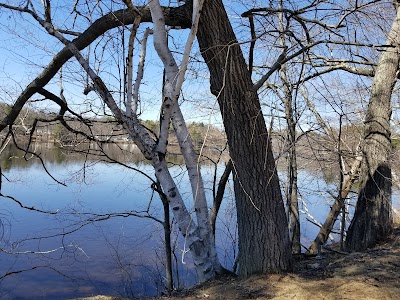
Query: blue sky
25	49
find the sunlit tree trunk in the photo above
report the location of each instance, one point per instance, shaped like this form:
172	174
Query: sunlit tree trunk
198	237
264	244
203	249
373	216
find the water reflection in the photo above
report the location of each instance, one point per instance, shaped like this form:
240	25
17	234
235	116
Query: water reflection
11	157
93	244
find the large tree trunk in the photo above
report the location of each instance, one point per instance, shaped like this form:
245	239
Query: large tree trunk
264	244
373	216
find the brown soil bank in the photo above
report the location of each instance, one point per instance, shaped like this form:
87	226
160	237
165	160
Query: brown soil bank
374	274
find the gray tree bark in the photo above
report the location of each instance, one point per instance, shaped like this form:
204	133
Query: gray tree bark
373	216
264	244
264	240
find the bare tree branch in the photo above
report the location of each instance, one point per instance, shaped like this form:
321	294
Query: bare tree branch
174	16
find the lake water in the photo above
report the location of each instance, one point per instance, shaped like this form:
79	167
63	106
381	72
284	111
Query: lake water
76	254
81	250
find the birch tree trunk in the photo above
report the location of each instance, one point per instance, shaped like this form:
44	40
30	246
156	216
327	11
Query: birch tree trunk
373	216
199	237
203	251
264	244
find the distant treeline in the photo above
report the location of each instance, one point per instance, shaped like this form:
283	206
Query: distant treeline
104	128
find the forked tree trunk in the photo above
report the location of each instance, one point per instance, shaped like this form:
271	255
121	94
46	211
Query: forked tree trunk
373	216
203	249
264	240
264	244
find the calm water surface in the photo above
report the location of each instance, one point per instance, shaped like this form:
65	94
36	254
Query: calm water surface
81	250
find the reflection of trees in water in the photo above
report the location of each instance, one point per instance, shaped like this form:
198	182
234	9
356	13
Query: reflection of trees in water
12	157
139	274
126	153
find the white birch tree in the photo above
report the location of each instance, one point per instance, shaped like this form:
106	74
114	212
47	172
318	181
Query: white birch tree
197	233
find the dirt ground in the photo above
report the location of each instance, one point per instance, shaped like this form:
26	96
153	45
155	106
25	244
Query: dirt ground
373	274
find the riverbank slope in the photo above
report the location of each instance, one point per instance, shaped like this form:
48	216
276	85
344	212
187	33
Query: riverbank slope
373	274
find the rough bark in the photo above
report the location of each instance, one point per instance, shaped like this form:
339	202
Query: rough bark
373	216
264	244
